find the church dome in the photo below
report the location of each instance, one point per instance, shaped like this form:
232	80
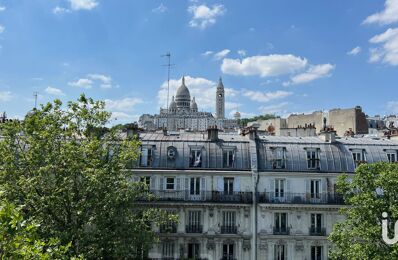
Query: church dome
183	97
194	106
173	105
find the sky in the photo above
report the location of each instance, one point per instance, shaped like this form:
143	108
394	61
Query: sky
274	56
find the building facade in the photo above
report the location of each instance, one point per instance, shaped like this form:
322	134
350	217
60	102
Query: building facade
250	197
183	113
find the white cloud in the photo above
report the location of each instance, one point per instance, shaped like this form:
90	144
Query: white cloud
314	72
387	52
202	89
2	28
105	79
221	54
393	107
204	16
123	117
60	10
264	66
387	16
125	104
2	8
160	9
354	51
280	108
207	53
5	96
54	91
242	53
265	96
83	4
82	83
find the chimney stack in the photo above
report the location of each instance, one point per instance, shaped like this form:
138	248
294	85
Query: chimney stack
212	133
328	134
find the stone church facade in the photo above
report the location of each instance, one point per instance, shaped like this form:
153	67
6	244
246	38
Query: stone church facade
183	113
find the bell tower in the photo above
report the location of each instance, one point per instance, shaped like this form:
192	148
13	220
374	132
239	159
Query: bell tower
220	100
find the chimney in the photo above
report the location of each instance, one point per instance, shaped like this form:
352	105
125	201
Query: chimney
212	133
253	135
164	129
328	134
131	129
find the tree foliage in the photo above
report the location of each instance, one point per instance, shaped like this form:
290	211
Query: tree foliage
372	191
68	172
245	121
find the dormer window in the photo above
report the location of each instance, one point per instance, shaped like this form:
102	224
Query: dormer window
391	156
358	155
229	158
146	156
195	159
313	158
279	160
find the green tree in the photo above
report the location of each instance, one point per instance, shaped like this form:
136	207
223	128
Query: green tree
69	172
19	238
372	191
245	121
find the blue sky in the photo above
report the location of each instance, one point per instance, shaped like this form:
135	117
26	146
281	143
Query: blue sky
274	56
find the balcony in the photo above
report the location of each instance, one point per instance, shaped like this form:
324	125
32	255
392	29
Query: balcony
168	228
300	198
317	231
228	258
203	196
281	231
229	229
194	229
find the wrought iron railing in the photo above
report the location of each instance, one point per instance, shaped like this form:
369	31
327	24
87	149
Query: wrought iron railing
281	230
229	229
300	198
194	229
317	231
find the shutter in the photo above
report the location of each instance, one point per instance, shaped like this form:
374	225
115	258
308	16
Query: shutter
288	186
324	187
307	186
144	156
153	183
161	185
178	187
220	184
272	187
187	187
236	184
203	183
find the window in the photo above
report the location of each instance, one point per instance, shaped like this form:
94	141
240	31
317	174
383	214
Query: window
195	159
229	158
170	183
228	186
193	251
280	223
313	158
358	156
146	156
194	187
316	252
168	250
280	188
315	189
279	161
229	222
280	252
392	156
316	224
146	180
228	251
194	222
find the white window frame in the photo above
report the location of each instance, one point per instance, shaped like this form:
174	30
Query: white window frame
280	252
227	153
391	156
316	248
361	153
313	158
315	188
279	161
229	218
168	249
166	183
195	158
280	188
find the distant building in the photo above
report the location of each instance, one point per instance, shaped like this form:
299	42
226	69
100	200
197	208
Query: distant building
183	113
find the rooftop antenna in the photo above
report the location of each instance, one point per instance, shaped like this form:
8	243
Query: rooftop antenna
35	96
168	65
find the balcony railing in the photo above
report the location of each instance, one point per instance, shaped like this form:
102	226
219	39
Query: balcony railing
228	258
281	231
317	231
168	228
203	196
193	228
229	229
300	198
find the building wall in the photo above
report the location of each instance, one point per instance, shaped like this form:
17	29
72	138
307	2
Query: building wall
344	119
300	120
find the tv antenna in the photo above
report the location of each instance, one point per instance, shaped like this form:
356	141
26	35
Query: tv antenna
168	65
35	94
